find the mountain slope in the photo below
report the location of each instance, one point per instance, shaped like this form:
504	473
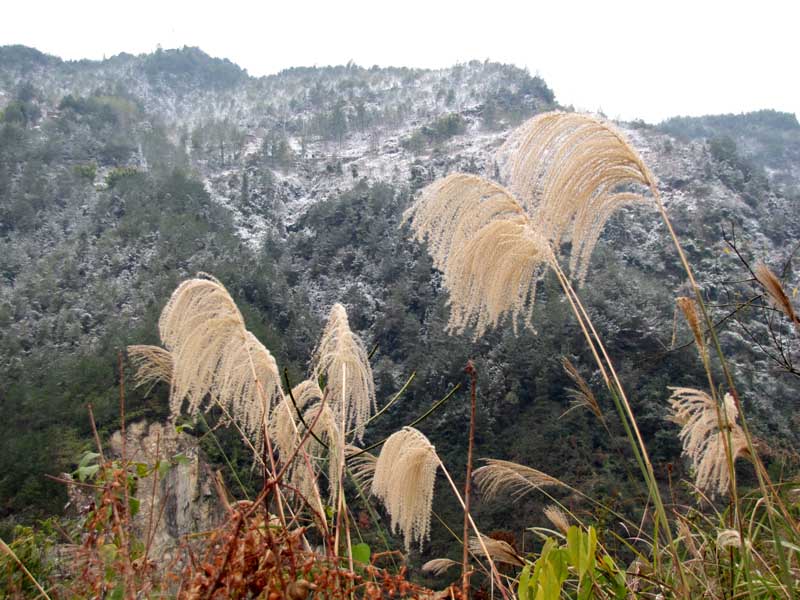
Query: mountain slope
120	177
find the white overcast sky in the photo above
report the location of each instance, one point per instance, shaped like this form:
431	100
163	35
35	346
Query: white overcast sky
630	59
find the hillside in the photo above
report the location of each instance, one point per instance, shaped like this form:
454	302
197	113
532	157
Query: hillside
119	178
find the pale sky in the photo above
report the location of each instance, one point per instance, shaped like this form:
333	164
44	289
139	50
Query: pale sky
630	59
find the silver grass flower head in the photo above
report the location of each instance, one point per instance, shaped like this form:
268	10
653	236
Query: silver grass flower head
557	517
703	440
405	473
491	255
284	427
216	359
361	464
499	550
571	172
438	566
328	430
777	295
507	477
343	361
152	364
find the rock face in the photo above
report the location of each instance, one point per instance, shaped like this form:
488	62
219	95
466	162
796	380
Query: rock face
184	500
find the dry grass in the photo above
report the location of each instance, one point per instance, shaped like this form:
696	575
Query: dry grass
774	288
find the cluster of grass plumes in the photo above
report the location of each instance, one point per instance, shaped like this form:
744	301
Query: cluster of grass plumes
566	174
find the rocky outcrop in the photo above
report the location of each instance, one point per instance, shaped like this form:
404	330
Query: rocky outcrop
176	499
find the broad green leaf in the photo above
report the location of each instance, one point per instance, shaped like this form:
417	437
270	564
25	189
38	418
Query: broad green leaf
134	504
361	553
88	457
87	471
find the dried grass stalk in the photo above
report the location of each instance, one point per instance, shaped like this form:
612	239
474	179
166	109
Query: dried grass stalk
503	476
341	352
405	473
571	172
489	252
152	364
500	551
703	432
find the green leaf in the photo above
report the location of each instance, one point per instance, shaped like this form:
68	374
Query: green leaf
87	458
142	469
181	459
523	589
361	553
163	467
134	504
85	472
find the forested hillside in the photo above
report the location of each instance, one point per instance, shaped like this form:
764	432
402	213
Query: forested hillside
120	178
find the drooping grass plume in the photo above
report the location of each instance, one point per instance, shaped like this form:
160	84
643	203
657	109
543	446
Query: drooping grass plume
688	307
582	395
571	172
328	430
774	288
704	426
504	476
728	538
557	517
362	465
152	365
215	358
405	473
489	252
438	566
344	362
284	427
500	550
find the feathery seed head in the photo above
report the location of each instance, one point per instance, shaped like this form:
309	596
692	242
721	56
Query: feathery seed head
342	358
283	421
490	253
215	358
151	363
704	426
438	566
405	473
689	309
774	288
504	476
499	550
557	517
571	172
